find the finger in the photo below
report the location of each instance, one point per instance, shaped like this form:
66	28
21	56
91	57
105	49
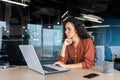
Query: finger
55	63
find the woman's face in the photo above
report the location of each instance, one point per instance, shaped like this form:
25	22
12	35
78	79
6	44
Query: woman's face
70	30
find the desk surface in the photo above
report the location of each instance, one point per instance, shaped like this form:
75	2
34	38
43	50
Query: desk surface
23	73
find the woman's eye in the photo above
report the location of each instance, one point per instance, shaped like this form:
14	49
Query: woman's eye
69	29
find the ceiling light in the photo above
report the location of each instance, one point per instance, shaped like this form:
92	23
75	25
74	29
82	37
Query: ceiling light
5	29
64	14
58	18
93	18
80	18
98	26
58	22
13	2
65	18
89	19
49	26
49	23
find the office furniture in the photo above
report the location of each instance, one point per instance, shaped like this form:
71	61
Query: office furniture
3	57
115	51
100	55
24	73
14	54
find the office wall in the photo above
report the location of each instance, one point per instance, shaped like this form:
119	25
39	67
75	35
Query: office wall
109	36
112	39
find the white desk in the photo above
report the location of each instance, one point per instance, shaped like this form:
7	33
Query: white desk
23	73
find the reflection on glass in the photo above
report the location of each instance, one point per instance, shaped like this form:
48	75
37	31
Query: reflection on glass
2	26
58	36
34	32
47	42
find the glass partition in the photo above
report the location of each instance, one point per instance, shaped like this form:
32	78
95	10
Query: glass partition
2	27
35	34
47	42
57	41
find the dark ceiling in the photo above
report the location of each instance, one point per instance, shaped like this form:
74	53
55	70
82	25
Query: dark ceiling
50	7
45	9
53	8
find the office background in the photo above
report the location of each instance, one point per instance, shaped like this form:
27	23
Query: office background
40	24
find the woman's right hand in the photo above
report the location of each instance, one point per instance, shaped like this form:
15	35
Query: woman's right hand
68	41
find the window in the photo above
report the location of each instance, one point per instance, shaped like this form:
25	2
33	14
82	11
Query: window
47	42
35	32
2	25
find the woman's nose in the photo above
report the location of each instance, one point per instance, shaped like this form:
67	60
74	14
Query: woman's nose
65	31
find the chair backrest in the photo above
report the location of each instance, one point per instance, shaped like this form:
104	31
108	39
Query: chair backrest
115	50
100	55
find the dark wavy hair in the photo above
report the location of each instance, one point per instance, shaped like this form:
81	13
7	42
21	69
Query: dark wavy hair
79	27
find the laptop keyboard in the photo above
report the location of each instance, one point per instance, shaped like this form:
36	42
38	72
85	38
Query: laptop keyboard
48	68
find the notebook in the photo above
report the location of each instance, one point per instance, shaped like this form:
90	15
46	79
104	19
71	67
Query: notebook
33	61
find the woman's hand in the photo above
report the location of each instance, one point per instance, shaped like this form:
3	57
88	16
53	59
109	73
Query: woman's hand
70	66
60	64
68	41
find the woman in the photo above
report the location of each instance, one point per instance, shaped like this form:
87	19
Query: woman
78	46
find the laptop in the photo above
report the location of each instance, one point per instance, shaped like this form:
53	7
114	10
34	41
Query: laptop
33	61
